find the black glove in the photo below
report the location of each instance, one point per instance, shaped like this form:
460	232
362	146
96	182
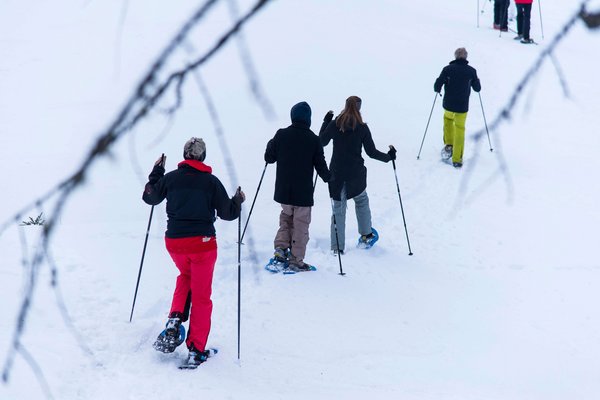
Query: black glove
392	153
328	117
239	196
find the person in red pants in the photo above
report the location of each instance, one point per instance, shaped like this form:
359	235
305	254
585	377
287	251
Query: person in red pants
194	195
524	21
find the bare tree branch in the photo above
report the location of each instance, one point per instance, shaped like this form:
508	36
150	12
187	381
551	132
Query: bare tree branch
592	21
251	73
149	91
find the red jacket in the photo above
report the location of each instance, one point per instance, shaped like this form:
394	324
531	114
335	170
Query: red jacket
523	1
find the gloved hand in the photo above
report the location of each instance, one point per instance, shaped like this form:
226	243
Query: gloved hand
161	161
239	197
328	117
392	153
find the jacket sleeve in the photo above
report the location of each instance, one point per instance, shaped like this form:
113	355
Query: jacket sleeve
227	208
319	162
440	81
271	152
475	83
370	148
155	190
326	132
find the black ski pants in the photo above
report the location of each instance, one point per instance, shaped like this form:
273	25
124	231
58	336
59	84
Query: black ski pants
501	13
524	20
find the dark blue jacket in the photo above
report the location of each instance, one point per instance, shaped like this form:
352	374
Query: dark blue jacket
193	196
457	78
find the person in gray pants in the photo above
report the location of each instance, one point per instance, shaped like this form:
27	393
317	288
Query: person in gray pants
350	134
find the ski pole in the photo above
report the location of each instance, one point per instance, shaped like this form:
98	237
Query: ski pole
427	126
315	184
410	253
541	22
337	239
137	285
254	201
485	122
240	278
483	8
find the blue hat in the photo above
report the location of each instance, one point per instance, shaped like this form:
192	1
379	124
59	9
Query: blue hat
301	113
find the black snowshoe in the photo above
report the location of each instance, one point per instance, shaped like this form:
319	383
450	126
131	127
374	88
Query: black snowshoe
171	337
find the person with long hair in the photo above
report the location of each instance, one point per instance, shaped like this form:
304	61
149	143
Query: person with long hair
350	135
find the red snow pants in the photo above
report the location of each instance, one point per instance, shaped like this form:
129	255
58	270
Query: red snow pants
195	257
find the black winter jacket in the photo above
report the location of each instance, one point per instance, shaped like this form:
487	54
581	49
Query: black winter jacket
458	78
347	164
193	196
297	151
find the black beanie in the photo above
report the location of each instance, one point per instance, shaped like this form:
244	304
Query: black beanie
301	113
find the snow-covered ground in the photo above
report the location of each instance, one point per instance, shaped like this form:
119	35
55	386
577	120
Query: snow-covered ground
499	300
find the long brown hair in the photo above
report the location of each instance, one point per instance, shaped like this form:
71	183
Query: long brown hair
350	117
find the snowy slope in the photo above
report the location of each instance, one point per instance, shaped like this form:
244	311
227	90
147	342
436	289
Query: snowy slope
498	300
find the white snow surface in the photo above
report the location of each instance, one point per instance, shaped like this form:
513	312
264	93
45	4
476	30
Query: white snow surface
499	301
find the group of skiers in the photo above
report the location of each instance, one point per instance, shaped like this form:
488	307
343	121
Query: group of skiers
195	197
523	18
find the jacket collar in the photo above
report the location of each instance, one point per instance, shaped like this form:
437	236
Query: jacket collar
460	61
199	165
300	124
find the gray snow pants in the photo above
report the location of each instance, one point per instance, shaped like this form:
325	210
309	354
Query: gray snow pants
363	217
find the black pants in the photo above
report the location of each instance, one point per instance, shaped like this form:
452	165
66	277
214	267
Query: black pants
524	20
501	13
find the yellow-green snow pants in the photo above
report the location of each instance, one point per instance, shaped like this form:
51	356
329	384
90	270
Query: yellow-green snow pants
454	133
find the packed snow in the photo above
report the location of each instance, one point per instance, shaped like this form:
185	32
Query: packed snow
499	300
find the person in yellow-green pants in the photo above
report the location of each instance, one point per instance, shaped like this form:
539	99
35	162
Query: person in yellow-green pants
457	78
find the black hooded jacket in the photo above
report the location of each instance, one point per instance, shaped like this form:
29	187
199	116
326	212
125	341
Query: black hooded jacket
297	151
347	164
457	78
193	196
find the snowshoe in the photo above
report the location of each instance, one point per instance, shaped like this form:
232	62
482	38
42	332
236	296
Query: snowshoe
171	337
279	261
195	358
367	241
446	152
295	268
274	266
